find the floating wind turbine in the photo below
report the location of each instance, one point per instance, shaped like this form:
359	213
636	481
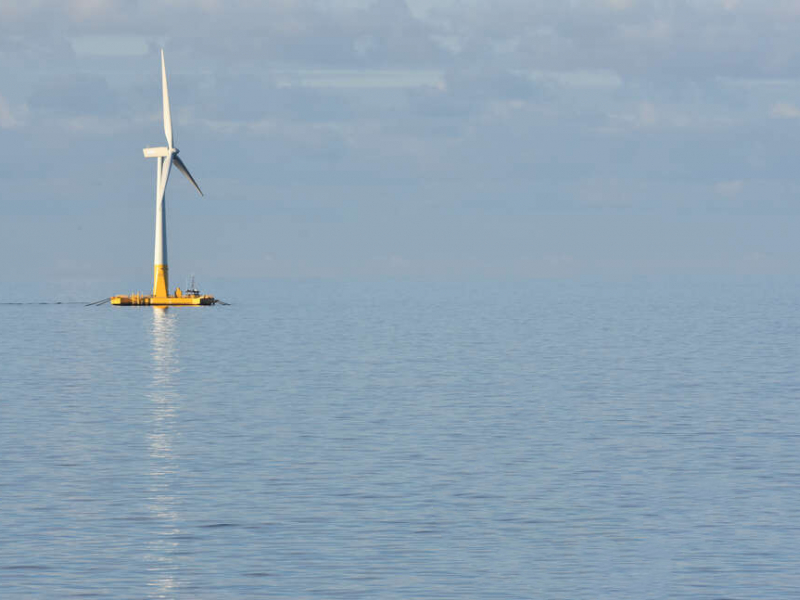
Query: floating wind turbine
165	157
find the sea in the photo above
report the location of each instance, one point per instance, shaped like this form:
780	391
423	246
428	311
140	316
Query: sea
570	439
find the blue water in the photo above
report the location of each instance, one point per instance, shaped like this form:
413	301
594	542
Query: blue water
406	440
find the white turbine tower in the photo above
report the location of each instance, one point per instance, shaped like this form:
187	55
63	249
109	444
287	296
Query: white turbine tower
165	156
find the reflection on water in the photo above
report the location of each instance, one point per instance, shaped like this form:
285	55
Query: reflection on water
162	502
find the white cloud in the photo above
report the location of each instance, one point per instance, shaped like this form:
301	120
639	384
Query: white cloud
658	30
359	78
644	115
621	4
729	188
7	118
109	45
595	78
785	110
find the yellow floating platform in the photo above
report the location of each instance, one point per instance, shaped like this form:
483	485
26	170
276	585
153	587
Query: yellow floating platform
143	300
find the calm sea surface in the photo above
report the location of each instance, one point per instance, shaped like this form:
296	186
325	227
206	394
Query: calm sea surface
405	440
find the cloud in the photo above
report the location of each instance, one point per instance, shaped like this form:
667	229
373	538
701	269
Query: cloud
7	118
729	188
785	110
109	45
621	4
431	112
632	39
644	115
88	10
75	94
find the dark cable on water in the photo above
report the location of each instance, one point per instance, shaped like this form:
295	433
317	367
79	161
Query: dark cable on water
38	303
99	302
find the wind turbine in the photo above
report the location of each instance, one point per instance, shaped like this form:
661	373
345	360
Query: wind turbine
165	157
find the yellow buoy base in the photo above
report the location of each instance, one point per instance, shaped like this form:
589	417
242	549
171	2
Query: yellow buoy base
143	300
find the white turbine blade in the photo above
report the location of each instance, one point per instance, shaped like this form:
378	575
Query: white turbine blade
182	168
165	92
164	177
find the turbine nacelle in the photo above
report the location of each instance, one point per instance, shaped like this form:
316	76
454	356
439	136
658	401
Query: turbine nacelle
161	152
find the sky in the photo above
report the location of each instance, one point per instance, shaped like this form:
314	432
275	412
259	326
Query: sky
423	139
